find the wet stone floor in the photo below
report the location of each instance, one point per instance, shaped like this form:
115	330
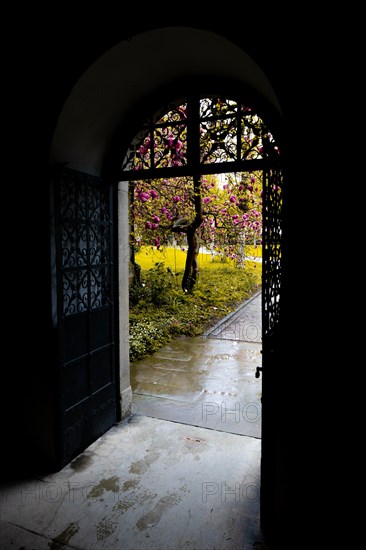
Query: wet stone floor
183	472
206	381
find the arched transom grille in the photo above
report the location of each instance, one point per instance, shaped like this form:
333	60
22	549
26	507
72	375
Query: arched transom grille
200	136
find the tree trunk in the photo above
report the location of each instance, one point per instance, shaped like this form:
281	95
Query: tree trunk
135	269
191	267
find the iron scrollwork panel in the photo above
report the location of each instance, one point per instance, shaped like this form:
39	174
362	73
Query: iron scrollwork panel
84	244
272	251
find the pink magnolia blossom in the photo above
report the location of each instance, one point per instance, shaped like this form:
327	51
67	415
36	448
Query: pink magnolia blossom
144	196
206	200
170	139
153	193
145	147
176	198
232	198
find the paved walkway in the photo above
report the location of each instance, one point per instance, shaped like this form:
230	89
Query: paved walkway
207	381
242	325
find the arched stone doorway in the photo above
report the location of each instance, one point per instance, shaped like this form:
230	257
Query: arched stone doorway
100	113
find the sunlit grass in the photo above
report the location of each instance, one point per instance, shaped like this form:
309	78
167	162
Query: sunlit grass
175	258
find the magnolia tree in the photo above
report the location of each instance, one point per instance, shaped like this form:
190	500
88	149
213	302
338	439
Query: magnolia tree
165	207
220	214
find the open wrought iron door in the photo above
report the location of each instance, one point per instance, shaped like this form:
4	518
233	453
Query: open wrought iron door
83	310
271	327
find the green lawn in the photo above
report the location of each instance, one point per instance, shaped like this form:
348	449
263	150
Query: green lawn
160	310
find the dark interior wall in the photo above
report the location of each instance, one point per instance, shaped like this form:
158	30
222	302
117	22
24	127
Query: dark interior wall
49	59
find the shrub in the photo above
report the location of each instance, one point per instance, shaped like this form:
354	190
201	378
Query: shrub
146	337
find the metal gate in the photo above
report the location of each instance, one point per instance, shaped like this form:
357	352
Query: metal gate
273	188
83	310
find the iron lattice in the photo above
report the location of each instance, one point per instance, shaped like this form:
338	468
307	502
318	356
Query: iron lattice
84	241
191	137
271	249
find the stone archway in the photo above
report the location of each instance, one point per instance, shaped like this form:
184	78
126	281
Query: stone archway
97	113
101	101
